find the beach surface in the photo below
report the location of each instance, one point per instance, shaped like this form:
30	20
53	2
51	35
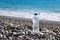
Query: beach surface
19	24
25	21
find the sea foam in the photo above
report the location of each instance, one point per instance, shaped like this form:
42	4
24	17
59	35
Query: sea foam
29	14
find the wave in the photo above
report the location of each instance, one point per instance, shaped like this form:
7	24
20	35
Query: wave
29	14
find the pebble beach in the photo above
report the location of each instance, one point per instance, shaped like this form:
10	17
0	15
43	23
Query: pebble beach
20	29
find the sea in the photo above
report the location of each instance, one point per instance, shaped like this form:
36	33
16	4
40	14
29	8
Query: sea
48	9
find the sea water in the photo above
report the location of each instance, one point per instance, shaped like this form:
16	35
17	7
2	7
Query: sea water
49	9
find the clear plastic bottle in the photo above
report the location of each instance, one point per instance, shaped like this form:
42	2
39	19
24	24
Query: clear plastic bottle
36	22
